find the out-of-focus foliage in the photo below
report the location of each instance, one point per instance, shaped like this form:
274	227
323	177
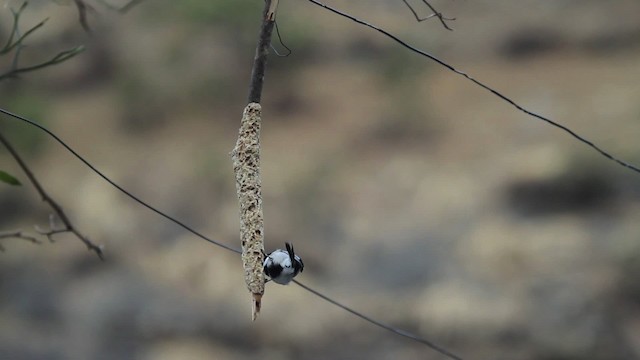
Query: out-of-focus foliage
7	178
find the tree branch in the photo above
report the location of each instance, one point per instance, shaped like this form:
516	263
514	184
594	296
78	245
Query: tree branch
57	209
17	234
82	14
262	50
15	43
57	59
481	84
435	13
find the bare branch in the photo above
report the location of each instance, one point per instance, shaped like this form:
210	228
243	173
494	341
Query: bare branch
17	234
114	184
435	13
68	225
57	59
14	29
262	50
481	84
82	14
15	43
10	45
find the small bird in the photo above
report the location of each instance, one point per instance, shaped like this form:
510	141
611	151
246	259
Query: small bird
282	266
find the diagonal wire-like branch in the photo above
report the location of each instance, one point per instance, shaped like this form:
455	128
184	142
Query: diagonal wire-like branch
482	85
216	242
57	209
377	323
113	183
435	13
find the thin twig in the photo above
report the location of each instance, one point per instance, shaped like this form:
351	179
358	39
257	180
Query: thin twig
435	13
82	14
17	234
17	46
482	85
15	30
377	323
10	46
57	59
113	183
68	225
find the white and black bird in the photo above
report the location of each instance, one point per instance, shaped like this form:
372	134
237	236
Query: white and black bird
282	266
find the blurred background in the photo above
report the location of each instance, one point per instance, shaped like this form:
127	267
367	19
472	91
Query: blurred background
411	194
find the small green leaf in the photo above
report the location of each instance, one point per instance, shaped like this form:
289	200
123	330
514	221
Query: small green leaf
9	179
